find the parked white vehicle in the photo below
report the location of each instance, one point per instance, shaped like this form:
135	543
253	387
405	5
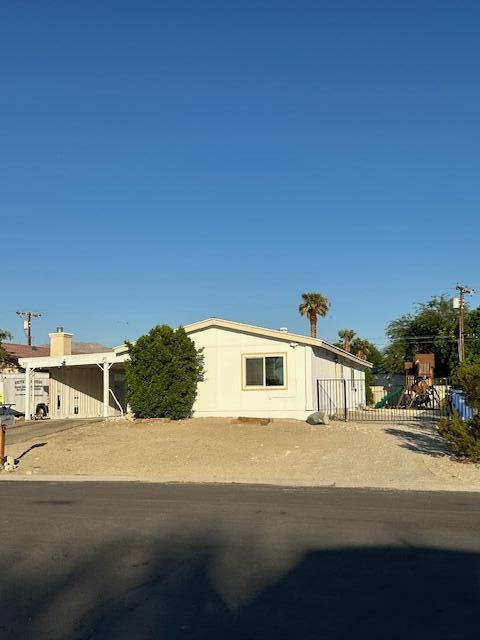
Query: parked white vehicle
12	391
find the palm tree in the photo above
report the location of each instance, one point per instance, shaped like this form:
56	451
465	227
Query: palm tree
313	305
4	335
347	335
362	348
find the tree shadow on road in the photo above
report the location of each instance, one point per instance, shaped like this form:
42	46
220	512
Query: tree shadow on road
174	593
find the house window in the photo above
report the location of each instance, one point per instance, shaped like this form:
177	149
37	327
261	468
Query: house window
254	372
264	371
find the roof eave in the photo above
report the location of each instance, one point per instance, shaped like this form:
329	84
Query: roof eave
78	359
275	333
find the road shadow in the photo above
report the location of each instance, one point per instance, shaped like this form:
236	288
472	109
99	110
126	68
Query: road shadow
421	439
173	592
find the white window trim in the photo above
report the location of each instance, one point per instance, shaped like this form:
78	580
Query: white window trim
264	387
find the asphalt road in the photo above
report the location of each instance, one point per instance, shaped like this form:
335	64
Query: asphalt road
126	560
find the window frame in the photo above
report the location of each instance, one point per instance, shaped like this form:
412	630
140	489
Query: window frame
264	387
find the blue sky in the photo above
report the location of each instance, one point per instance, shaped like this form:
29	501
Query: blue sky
170	161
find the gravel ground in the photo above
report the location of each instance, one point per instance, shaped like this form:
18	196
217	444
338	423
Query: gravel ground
286	452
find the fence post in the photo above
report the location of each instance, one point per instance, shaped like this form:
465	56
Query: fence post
345	400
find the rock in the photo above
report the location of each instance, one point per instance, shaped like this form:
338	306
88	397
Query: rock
319	417
10	464
250	420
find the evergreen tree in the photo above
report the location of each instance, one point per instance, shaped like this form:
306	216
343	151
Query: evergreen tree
433	328
162	374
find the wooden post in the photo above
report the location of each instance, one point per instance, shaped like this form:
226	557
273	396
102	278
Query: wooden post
2	444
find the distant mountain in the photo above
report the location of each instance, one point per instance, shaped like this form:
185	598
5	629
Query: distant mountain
89	347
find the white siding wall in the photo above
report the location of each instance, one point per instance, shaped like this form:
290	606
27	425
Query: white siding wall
222	393
324	367
78	388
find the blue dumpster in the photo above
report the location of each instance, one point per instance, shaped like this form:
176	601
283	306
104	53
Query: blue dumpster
459	403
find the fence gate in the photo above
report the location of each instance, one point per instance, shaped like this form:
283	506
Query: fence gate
348	400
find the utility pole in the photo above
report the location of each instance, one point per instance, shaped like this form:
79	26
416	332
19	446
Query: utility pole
461	319
27	324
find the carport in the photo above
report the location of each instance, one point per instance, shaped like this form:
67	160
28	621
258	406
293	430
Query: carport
81	386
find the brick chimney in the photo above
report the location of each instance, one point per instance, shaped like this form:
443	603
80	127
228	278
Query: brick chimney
60	343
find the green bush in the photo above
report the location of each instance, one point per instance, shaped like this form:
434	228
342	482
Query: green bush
369	381
462	436
162	374
467	377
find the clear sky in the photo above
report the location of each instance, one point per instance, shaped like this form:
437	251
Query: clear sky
170	161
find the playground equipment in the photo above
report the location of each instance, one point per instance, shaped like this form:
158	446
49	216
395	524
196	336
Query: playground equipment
387	400
419	391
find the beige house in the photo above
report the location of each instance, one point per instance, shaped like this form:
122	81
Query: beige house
249	371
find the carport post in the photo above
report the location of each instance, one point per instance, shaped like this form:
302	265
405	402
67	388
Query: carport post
106	388
33	406
27	394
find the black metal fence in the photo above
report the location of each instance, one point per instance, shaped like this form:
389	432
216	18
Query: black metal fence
351	400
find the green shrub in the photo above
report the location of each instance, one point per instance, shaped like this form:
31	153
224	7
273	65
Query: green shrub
462	436
162	374
369	381
467	377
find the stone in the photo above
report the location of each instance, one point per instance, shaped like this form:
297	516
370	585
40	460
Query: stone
250	420
10	464
318	417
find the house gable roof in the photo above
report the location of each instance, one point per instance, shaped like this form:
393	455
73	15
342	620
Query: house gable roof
273	333
287	336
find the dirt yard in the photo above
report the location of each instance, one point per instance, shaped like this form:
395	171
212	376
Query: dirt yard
287	452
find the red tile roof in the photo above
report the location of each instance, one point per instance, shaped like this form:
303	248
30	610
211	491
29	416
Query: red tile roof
16	351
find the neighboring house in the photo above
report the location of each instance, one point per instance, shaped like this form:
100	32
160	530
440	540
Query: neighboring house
17	351
249	371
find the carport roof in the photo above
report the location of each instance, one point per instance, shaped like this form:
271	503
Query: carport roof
73	360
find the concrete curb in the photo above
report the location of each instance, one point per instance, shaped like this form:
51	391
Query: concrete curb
13	477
